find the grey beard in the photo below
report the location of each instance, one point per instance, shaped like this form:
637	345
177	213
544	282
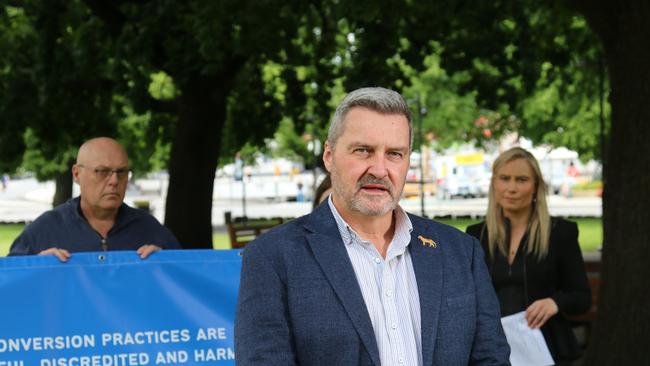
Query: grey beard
357	205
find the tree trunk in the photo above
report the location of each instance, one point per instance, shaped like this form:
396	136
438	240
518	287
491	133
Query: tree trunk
193	162
63	187
622	329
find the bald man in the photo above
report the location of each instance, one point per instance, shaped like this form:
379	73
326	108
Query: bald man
97	220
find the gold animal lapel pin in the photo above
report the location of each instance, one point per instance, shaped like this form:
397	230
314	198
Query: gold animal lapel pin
427	241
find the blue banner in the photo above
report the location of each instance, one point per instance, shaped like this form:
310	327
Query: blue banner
114	309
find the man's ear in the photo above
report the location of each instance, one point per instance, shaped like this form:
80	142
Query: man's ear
327	156
75	173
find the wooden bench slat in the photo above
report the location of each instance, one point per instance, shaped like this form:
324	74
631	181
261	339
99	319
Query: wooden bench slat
242	233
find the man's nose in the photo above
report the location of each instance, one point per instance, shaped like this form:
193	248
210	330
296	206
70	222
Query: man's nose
113	178
378	166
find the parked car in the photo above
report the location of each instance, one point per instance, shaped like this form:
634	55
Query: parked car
464	186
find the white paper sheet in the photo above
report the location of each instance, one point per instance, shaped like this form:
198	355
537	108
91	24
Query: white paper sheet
527	346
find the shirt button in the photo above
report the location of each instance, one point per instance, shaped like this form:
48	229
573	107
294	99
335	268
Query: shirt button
400	360
377	260
389	293
394	326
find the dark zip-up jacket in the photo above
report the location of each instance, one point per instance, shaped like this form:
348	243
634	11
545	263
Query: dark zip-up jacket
65	227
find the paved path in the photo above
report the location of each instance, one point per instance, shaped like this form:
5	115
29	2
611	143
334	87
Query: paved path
26	199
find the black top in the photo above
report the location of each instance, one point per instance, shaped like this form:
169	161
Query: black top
560	275
508	279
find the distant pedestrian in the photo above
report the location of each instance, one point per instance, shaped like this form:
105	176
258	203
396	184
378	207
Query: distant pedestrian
300	195
572	172
5	181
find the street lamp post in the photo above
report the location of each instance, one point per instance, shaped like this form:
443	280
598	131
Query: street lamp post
239	175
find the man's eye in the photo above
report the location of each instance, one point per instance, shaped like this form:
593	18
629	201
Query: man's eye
395	154
103	172
361	150
122	174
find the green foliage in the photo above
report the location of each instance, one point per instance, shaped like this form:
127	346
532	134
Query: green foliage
480	67
145	137
448	116
162	86
57	91
35	161
64	92
290	144
564	109
535	65
15	34
263	66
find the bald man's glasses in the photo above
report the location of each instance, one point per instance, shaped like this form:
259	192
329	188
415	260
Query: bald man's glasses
105	173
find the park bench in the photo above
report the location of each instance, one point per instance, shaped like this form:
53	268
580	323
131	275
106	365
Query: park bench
241	232
586	320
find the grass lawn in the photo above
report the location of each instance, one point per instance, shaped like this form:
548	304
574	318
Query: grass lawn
591	234
8	233
220	241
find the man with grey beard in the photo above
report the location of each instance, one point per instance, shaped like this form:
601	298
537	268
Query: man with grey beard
359	281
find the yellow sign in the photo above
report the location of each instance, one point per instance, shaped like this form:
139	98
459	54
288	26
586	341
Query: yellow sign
469	159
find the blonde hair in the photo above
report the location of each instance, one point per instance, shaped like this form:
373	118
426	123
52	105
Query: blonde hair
539	222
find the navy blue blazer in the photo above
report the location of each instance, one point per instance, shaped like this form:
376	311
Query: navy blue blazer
300	304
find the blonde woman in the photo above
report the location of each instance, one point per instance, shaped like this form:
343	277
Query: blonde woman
534	259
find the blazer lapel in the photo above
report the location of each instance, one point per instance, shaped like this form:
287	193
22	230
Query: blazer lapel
427	264
330	253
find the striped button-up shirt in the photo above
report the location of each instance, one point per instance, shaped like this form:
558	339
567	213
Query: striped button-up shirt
389	289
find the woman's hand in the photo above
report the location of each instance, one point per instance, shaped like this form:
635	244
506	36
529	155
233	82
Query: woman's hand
540	311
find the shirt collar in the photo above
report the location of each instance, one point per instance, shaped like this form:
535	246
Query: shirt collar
403	226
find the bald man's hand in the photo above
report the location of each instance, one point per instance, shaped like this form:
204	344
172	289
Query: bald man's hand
146	250
62	254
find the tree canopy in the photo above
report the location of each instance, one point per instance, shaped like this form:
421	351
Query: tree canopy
491	68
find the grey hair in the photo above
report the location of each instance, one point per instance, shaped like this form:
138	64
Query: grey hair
377	99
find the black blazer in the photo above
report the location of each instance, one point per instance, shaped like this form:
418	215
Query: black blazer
561	276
